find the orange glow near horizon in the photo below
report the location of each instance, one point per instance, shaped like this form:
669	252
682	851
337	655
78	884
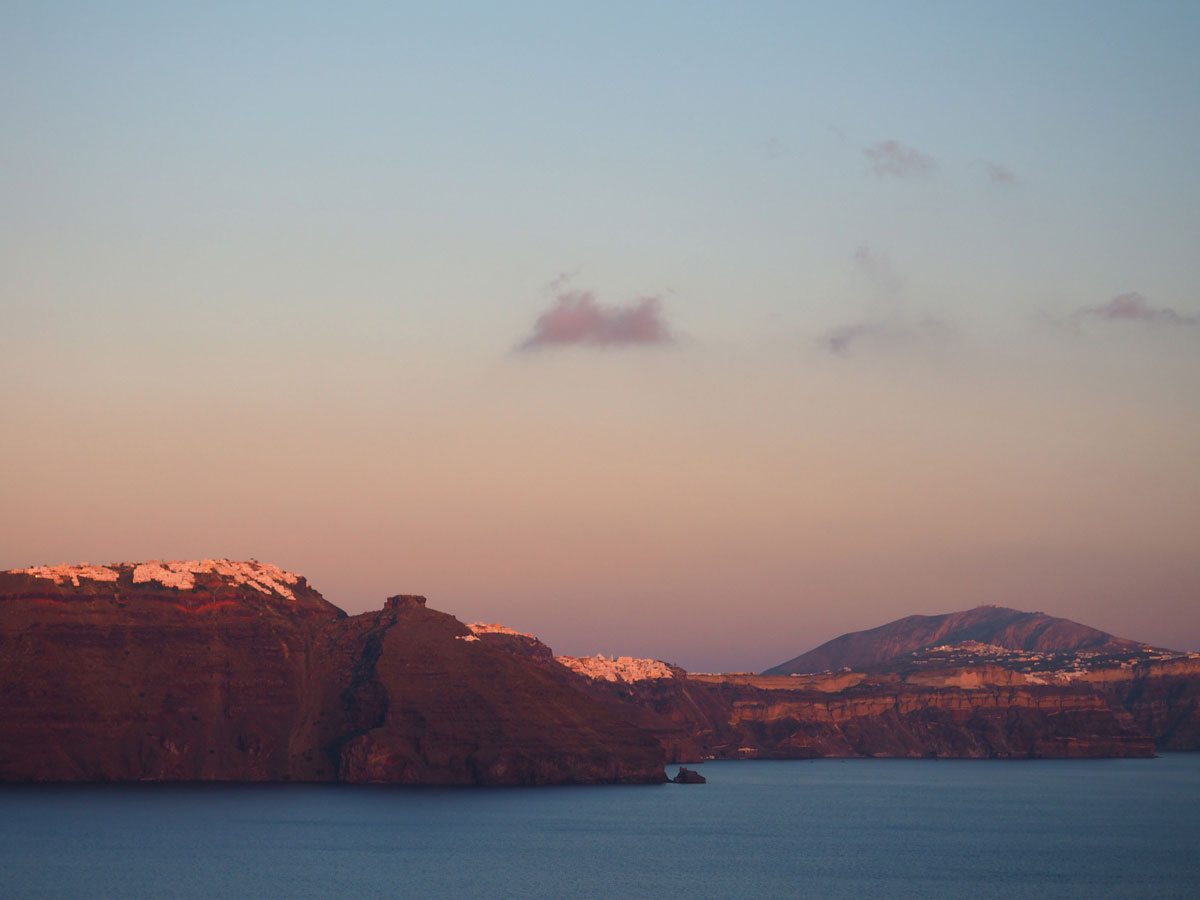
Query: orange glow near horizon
681	513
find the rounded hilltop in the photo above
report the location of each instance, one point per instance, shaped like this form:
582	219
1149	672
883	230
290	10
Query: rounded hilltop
993	626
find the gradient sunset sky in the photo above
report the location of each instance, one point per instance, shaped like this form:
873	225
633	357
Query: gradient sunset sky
697	331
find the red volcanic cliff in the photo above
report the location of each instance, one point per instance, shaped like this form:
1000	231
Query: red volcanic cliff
215	670
970	714
963	700
890	716
1162	697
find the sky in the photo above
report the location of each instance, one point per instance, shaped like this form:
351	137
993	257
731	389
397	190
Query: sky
698	331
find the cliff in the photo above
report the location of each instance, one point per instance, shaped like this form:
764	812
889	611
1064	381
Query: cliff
956	700
240	671
218	670
970	715
955	714
1162	697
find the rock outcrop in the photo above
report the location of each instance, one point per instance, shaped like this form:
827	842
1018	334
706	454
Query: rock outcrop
218	670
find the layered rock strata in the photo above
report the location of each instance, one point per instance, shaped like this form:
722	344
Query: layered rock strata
982	710
218	670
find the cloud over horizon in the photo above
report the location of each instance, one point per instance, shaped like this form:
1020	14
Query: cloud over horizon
895	159
577	319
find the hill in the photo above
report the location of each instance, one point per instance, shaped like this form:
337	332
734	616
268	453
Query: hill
998	626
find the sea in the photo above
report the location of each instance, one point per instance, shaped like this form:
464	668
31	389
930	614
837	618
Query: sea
1126	828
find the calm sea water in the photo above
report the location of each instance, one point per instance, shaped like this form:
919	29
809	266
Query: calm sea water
821	829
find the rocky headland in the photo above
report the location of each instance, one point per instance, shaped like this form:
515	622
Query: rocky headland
239	671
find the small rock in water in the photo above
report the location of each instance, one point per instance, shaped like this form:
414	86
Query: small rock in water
687	776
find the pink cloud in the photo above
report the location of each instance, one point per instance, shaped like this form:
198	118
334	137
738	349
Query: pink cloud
1133	307
893	158
577	319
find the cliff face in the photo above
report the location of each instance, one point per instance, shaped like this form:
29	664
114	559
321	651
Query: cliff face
240	671
963	701
443	708
961	714
1010	629
1162	698
112	674
893	717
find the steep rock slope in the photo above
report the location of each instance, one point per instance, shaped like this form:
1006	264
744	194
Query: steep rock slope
218	670
992	625
154	672
1163	698
451	708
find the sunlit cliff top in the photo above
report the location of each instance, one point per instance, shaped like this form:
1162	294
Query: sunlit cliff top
178	574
